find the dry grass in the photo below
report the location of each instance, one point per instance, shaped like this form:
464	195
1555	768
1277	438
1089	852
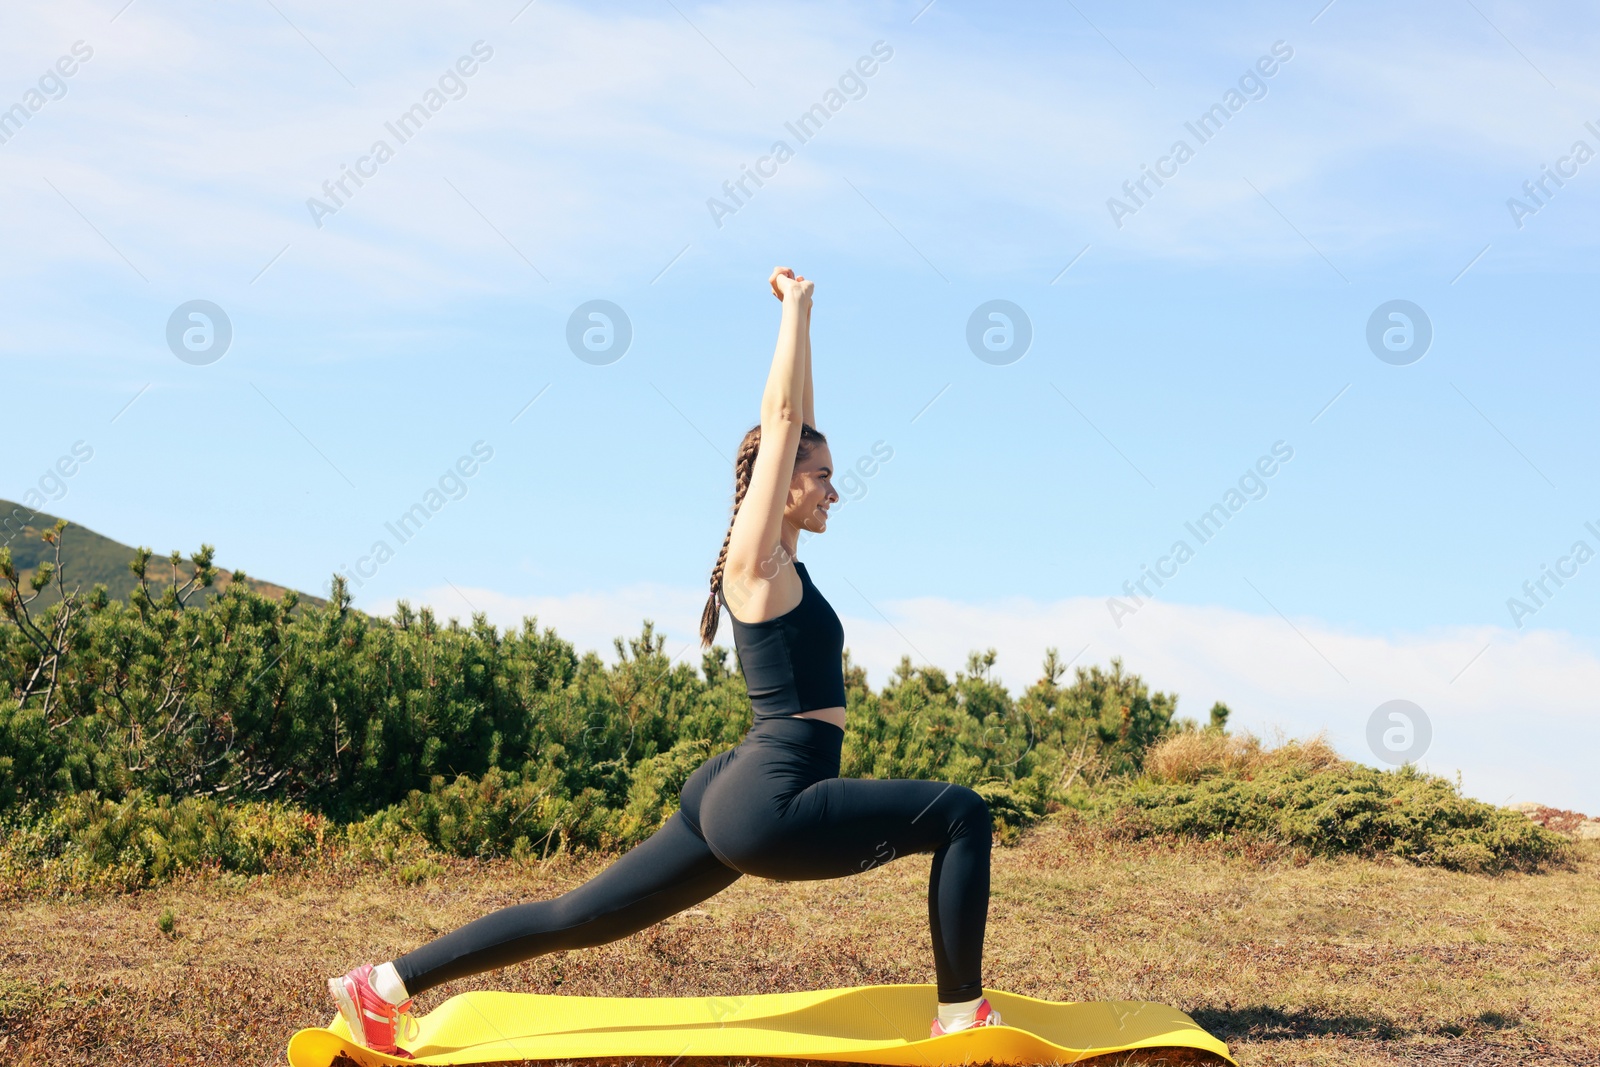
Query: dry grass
1188	757
1349	963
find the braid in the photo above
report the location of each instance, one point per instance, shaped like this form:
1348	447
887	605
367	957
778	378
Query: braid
743	466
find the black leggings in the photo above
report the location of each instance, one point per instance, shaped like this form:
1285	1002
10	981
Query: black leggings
774	807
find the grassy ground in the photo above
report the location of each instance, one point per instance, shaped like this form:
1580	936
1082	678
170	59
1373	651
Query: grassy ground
1350	963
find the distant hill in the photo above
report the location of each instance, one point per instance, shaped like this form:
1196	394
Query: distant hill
89	557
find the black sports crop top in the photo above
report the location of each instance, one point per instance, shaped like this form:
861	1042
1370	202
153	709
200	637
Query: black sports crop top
795	662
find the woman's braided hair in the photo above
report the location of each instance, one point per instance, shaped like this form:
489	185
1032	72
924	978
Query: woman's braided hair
743	466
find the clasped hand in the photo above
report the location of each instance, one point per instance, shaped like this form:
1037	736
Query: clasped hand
786	283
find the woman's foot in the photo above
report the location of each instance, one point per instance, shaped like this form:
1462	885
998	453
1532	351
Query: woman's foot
985	1015
373	1021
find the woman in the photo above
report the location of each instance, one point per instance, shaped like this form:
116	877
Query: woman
773	806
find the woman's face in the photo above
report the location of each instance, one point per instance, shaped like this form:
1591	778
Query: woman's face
811	491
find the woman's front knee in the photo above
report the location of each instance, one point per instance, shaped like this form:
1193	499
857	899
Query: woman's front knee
972	812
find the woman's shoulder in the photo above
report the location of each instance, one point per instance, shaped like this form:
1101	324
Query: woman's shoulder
774	597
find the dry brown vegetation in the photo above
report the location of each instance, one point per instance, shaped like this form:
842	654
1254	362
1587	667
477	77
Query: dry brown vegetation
1186	757
1339	962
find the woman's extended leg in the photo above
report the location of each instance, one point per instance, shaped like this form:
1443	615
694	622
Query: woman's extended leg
671	870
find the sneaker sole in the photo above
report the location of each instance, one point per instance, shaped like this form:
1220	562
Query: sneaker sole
348	1009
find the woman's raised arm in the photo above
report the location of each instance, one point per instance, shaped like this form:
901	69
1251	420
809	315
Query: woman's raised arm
754	540
805	350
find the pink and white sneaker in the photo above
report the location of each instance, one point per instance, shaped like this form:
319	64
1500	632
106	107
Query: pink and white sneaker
987	1016
372	1020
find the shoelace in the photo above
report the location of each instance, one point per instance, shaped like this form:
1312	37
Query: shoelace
993	1018
406	1025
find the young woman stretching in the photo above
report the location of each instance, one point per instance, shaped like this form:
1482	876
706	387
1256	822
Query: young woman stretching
773	806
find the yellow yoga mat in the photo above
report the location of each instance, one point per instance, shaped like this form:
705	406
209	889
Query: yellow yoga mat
885	1024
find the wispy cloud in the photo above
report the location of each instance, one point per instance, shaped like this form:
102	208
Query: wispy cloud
207	139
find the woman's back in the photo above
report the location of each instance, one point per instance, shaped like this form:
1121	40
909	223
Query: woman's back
794	662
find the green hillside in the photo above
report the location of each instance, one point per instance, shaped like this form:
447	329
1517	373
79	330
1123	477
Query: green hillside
91	557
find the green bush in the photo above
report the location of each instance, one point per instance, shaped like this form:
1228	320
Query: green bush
414	734
244	734
1012	808
89	841
1345	809
499	814
160	836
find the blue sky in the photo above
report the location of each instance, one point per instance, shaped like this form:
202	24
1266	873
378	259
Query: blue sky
1172	346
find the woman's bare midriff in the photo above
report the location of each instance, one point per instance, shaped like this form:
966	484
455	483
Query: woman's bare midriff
833	715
